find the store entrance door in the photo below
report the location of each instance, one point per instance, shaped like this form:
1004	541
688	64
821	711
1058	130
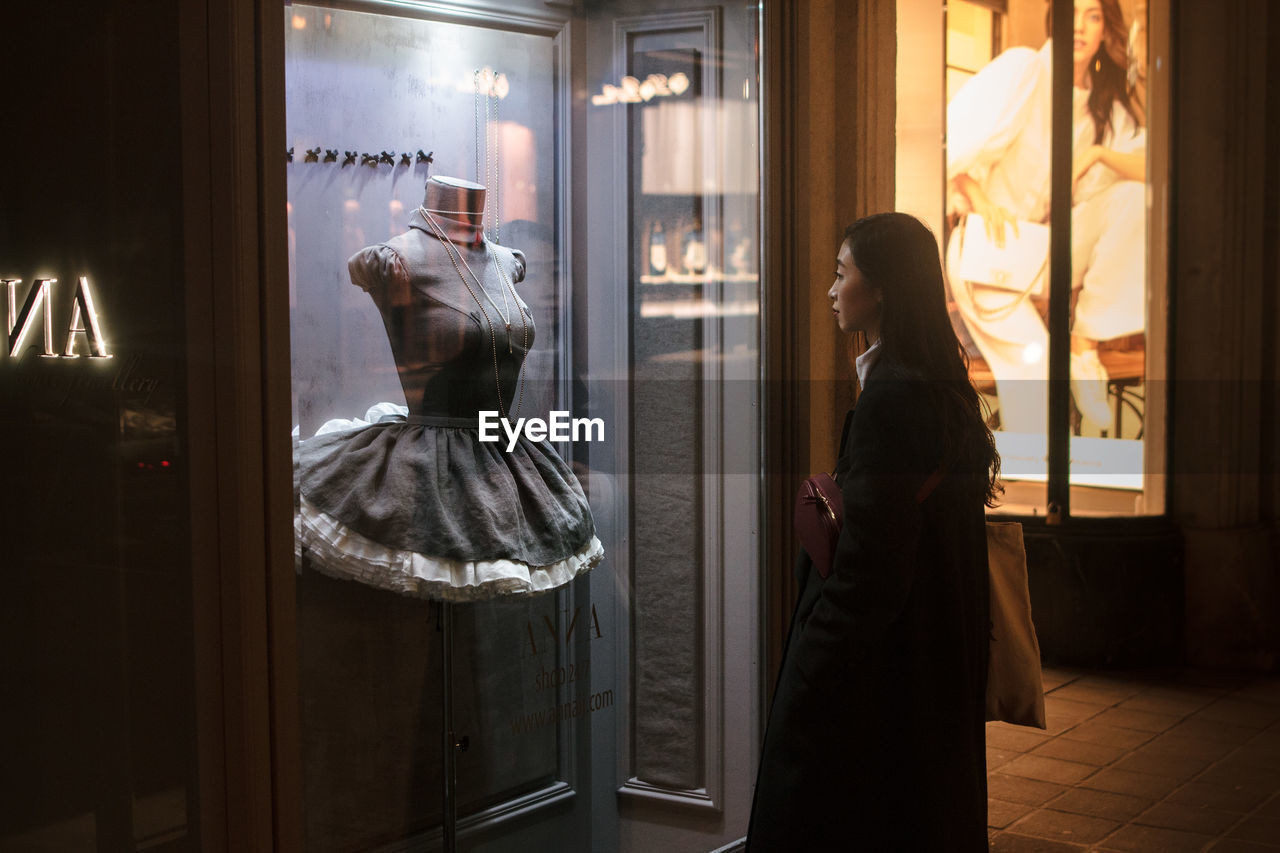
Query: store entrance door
673	295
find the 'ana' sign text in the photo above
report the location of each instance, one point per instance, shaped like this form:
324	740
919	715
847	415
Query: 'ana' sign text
84	318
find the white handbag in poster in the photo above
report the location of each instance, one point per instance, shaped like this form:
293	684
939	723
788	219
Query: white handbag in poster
1017	266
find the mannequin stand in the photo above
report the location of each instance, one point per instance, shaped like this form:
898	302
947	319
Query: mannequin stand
449	778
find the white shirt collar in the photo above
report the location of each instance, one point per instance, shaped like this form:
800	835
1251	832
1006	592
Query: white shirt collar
864	363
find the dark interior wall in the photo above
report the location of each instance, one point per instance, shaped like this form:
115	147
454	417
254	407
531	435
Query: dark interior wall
1225	432
1271	288
95	604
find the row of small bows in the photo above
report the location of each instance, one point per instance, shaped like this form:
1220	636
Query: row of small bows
387	158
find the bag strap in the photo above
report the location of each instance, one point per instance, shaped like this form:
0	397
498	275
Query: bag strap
836	472
927	487
844	433
989	315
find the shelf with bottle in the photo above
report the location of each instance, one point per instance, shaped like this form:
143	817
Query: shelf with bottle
698	308
681	254
709	276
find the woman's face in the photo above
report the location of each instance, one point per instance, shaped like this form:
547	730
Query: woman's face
1088	30
854	300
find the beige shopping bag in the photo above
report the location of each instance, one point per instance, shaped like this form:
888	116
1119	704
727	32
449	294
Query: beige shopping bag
1015	691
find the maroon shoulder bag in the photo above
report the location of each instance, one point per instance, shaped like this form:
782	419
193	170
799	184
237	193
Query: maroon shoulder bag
819	515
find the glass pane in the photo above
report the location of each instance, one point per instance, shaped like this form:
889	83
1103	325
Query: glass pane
991	211
969	36
1113	468
622	289
675	289
997	210
97	668
401	338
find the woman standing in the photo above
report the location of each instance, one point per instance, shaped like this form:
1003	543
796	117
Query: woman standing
999	136
876	738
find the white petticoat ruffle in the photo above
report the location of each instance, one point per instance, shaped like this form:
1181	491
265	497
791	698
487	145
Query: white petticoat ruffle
334	549
372	415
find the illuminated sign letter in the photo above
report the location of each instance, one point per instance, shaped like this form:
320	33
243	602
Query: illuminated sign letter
21	322
83	311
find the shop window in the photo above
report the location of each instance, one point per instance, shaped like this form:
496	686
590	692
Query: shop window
987	196
974	35
609	154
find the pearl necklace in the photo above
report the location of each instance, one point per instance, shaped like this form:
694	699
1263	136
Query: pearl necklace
505	311
450	249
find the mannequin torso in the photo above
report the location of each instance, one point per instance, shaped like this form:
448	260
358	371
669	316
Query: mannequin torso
445	332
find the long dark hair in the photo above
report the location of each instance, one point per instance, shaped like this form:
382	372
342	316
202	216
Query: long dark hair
1108	70
898	255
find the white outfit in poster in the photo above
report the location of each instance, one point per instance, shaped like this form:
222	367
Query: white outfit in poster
999	133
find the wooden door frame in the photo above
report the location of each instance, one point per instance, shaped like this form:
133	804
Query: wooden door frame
237	317
830	139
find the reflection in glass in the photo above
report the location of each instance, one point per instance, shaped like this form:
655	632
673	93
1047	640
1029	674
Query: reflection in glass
413	311
634	201
998	167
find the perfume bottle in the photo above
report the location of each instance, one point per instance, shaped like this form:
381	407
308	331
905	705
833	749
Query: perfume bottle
695	250
657	250
740	258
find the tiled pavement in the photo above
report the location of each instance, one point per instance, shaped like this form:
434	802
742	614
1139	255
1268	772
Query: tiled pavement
1165	762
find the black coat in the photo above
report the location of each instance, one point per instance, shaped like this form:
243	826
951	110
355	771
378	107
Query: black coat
876	737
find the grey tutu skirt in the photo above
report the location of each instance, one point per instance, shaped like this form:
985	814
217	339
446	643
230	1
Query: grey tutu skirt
422	507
